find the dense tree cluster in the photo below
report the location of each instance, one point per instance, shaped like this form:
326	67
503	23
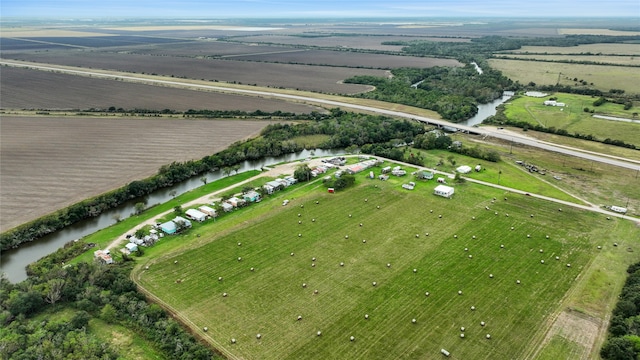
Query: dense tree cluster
90	290
343	129
454	92
624	328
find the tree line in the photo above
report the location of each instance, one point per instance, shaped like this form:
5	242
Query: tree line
343	128
623	340
90	290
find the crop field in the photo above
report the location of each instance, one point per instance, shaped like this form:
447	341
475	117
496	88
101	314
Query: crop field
602	59
606	49
48	163
573	119
33	89
371	42
349	59
327	267
312	78
603	77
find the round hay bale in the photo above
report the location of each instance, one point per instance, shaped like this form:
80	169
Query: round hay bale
541	261
313	259
615	244
146	267
541	251
364	241
426	294
426	234
417	235
518	282
319	333
531	215
374	283
560	209
299	221
299	317
313	264
252	269
366	316
239	258
304	285
299	215
568	265
466	249
490	276
507	215
547	236
258	336
365	200
459	292
462	335
455	236
440	216
599	247
378	207
502	246
488	336
470	256
349	215
292	254
415	271
512	228
317	202
301	206
299	235
346	236
431	211
233	341
473	218
388	265
219	278
341	264
239	244
313	220
473	237
608	217
496	213
462	328
473	308
205	329
557	257
505	199
528	236
225	294
360	224
352	338
482	323
413	321
175	262
315	291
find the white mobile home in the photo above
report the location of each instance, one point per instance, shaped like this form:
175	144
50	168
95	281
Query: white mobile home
444	191
196	215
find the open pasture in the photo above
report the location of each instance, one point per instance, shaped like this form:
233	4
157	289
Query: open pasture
33	89
601	59
573	118
603	77
369	289
605	49
48	163
313	78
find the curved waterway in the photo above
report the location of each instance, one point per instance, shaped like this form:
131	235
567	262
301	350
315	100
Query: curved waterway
14	261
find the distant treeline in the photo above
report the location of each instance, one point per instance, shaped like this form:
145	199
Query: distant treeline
454	92
501	119
623	341
344	129
484	47
90	290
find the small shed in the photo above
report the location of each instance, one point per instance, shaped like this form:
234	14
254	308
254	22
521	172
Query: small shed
464	169
331	190
196	215
207	210
444	191
131	247
103	255
169	227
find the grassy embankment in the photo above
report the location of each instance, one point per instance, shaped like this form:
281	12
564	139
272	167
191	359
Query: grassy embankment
269	299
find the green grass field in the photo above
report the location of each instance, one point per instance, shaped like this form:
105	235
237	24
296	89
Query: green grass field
573	118
603	77
268	300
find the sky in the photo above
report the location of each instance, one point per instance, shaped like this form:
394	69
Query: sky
216	9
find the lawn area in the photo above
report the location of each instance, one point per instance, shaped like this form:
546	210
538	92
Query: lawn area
265	253
573	119
603	77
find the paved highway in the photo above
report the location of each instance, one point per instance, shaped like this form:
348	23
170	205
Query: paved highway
592	156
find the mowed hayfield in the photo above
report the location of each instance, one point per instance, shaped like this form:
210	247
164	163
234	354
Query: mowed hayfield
603	77
447	263
606	49
47	163
574	119
34	89
630	60
325	79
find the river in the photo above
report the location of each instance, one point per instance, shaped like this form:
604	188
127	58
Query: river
486	110
14	261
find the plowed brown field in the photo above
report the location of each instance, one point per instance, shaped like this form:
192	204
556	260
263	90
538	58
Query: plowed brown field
47	163
32	89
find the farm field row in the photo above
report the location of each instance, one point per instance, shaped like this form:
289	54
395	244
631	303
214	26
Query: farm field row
461	251
48	163
605	49
325	79
603	59
574	119
603	77
33	89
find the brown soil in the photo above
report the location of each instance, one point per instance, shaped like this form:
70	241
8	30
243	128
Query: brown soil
577	328
48	163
